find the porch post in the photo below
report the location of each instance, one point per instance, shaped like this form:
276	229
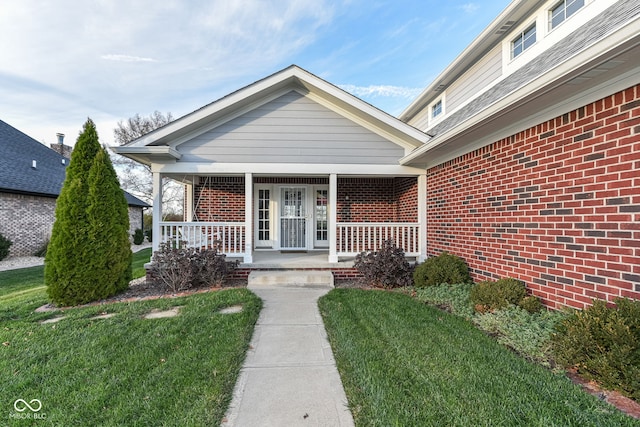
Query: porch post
333	217
157	210
422	215
188	202
248	218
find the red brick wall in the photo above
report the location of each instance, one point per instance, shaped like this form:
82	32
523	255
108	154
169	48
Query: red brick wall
219	199
378	199
406	196
557	205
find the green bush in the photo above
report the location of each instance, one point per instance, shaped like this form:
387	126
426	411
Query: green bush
149	233
531	303
5	244
138	237
42	251
444	268
453	298
490	296
527	333
603	344
387	268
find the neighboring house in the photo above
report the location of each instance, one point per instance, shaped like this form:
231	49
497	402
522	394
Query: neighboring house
31	177
523	157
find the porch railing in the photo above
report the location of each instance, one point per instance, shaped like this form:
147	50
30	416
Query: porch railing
356	237
228	237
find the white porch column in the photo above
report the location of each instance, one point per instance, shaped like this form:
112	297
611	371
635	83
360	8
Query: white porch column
188	202
157	210
422	215
248	218
333	217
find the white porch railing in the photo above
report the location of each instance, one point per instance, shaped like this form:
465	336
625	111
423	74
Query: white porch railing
228	237
356	237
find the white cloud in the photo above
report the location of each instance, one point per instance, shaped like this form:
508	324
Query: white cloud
126	58
469	7
374	91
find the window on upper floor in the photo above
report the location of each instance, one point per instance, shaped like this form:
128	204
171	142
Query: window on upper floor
524	40
561	11
436	109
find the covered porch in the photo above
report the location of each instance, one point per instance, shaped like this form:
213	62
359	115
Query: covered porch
297	221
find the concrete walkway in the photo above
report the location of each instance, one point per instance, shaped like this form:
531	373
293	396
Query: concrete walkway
289	377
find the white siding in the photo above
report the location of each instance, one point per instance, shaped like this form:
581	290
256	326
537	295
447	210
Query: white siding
291	129
480	76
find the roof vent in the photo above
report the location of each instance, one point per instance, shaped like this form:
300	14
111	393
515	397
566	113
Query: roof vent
34	164
506	27
64	161
440	88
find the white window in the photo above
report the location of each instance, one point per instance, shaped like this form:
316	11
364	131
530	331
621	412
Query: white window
436	109
561	11
524	40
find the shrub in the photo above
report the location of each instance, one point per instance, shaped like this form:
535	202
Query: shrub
149	233
531	303
172	267
42	251
603	344
5	244
138	237
527	333
453	298
490	296
444	268
211	267
386	268
178	268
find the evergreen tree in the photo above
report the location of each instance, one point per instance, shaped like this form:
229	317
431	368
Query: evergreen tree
71	256
108	213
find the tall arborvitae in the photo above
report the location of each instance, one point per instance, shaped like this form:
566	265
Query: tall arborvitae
71	254
110	263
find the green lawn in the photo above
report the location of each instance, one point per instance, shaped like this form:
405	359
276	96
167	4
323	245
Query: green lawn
128	370
404	363
125	370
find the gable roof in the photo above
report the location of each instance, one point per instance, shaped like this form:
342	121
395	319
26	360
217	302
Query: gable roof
162	143
18	151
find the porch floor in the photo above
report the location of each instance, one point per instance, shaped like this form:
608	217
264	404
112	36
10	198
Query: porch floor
283	260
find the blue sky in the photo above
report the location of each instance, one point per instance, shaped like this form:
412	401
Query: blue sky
65	60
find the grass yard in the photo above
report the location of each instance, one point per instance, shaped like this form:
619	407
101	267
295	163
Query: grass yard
404	363
125	370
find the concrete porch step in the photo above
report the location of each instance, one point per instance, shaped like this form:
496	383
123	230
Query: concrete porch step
291	278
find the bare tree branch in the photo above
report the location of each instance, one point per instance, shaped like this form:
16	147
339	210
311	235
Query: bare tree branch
135	177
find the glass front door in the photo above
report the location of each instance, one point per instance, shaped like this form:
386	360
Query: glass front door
293	218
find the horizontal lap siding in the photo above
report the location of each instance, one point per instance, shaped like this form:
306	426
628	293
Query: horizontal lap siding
291	129
557	205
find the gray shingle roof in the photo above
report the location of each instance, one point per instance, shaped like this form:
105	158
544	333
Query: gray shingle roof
586	35
17	174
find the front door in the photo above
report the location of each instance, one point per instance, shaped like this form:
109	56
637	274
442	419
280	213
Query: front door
293	218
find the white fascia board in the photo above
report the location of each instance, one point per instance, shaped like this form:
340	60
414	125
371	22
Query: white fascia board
284	169
144	154
364	114
540	85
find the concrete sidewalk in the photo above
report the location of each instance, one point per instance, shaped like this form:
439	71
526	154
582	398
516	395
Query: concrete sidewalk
289	377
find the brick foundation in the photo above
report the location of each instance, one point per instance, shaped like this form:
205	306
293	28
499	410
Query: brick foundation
557	205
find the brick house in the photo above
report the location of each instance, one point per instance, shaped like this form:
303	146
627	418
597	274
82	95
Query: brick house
31	177
523	157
